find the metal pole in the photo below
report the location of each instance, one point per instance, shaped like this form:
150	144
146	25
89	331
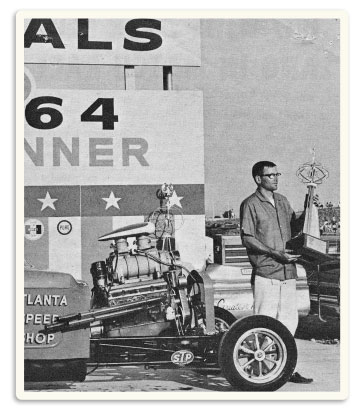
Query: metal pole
167	78
129	77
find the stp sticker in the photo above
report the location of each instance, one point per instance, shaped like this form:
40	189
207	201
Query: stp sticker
182	357
64	227
33	229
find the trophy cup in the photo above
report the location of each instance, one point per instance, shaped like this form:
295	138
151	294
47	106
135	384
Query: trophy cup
308	243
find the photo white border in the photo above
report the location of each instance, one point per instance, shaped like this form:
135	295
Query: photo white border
228	14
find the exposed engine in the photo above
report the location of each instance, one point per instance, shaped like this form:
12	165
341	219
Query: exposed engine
148	308
156	291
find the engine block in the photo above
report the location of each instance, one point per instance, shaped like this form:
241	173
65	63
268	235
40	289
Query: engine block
141	275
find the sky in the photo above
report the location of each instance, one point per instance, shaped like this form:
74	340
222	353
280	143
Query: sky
271	92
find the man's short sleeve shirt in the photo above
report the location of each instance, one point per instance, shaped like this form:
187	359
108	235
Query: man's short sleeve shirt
271	226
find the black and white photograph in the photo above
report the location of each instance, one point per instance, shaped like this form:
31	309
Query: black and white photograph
183	219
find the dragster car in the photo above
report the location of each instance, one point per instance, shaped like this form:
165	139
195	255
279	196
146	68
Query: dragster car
147	307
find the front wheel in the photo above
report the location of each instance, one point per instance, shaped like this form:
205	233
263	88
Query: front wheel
258	353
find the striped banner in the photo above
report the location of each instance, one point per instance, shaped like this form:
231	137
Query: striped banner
67	221
105	201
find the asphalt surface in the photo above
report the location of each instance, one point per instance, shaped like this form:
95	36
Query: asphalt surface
316	360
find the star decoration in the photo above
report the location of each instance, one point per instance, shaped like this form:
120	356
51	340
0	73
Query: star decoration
175	200
112	201
47	202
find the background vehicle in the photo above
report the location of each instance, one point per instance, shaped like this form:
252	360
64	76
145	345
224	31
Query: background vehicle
324	283
317	292
231	272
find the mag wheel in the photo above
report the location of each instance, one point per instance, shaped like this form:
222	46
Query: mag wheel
258	353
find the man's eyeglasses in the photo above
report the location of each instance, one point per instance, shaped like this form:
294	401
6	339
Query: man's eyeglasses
271	175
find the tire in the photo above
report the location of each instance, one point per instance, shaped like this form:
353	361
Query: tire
271	357
55	370
223	319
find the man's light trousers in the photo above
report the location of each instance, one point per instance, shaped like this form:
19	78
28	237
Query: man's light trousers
277	299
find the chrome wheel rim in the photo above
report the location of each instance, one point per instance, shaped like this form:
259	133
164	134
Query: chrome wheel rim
260	355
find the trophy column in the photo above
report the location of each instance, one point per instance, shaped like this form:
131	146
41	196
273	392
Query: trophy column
308	243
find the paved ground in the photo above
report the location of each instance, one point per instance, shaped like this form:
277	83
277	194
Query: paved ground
319	361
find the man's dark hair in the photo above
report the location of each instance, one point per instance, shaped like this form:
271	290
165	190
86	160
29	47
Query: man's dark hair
258	167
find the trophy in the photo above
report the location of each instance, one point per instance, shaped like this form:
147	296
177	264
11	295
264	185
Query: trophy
308	243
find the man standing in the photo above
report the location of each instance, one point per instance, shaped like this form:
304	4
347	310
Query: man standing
266	220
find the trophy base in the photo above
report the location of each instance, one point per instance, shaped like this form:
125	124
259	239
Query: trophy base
310	248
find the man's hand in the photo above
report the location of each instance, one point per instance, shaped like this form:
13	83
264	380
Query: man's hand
283	257
254	244
293	258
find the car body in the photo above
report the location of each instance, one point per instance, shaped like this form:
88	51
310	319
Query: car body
231	275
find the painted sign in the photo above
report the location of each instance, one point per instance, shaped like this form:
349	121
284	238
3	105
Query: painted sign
97	158
141	41
113	137
41	309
